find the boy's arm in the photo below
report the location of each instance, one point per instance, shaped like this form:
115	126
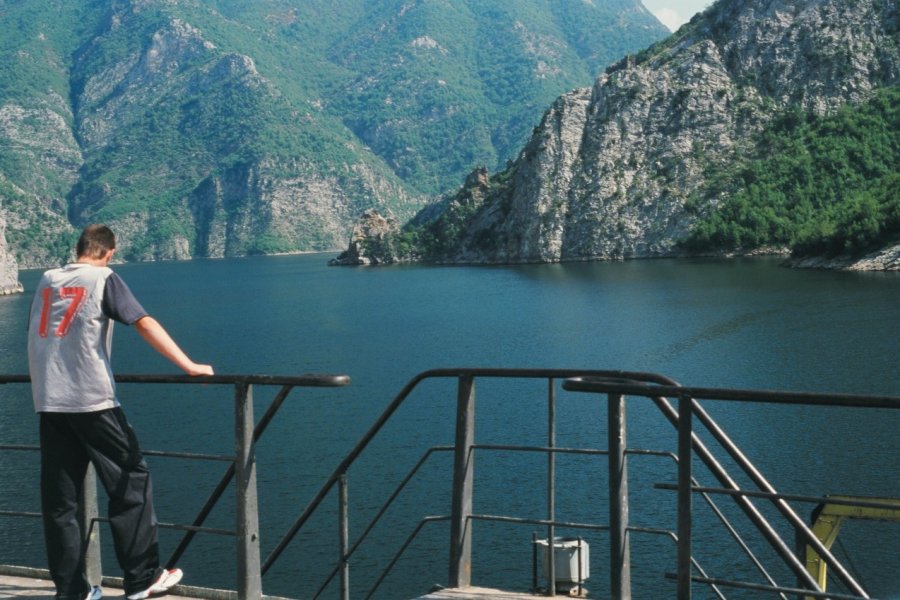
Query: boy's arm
159	339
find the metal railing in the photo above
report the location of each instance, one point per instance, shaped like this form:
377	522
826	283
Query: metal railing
689	444
619	388
241	471
462	515
617	385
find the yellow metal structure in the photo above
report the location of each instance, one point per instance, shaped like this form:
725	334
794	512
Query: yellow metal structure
829	517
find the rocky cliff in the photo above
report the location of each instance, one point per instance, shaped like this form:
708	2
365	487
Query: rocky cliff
608	175
609	171
9	270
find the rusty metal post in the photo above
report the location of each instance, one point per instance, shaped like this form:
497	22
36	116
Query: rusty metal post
685	482
463	476
90	528
344	534
551	489
619	547
249	580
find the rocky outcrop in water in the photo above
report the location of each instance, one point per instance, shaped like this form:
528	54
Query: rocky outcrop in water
372	242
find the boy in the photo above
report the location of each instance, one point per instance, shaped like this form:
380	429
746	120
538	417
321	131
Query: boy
81	421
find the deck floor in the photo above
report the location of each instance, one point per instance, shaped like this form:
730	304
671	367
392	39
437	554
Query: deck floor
12	586
42	589
476	593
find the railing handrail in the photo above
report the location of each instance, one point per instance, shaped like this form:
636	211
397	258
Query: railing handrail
307	380
612	386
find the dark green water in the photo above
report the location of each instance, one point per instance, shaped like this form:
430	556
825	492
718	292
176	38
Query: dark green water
704	323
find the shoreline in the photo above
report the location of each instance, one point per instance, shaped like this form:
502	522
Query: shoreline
884	260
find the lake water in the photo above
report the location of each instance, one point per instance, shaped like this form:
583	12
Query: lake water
740	323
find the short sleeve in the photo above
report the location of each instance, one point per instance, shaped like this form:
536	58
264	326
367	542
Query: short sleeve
119	303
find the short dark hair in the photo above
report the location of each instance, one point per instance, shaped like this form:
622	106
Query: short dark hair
95	241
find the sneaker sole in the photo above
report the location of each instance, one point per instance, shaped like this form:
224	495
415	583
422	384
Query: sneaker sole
167	580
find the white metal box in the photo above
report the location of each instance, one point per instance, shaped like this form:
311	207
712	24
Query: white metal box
567	552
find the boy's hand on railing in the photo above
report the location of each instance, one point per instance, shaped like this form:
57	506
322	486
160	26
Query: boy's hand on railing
197	370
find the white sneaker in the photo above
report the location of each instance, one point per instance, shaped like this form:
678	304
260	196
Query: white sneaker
95	594
166	579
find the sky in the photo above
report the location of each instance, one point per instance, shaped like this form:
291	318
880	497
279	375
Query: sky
675	13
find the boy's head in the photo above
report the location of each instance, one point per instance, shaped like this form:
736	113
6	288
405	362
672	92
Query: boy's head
95	242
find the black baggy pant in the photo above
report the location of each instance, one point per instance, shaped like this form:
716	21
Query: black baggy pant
69	441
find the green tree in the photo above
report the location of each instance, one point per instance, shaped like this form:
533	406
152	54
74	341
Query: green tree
818	185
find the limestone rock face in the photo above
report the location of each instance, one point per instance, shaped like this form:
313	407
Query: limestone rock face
43	138
9	270
608	172
530	226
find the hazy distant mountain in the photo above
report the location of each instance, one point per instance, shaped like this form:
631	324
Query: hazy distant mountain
225	127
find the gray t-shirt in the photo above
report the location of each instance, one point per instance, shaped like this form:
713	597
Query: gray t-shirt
70	337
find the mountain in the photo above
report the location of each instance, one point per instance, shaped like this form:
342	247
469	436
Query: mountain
663	142
225	128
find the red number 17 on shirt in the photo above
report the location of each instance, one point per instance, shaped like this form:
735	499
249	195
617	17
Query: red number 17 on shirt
76	297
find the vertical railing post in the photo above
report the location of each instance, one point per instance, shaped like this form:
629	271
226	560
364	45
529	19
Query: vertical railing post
344	533
249	580
90	528
463	476
619	547
685	476
551	489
